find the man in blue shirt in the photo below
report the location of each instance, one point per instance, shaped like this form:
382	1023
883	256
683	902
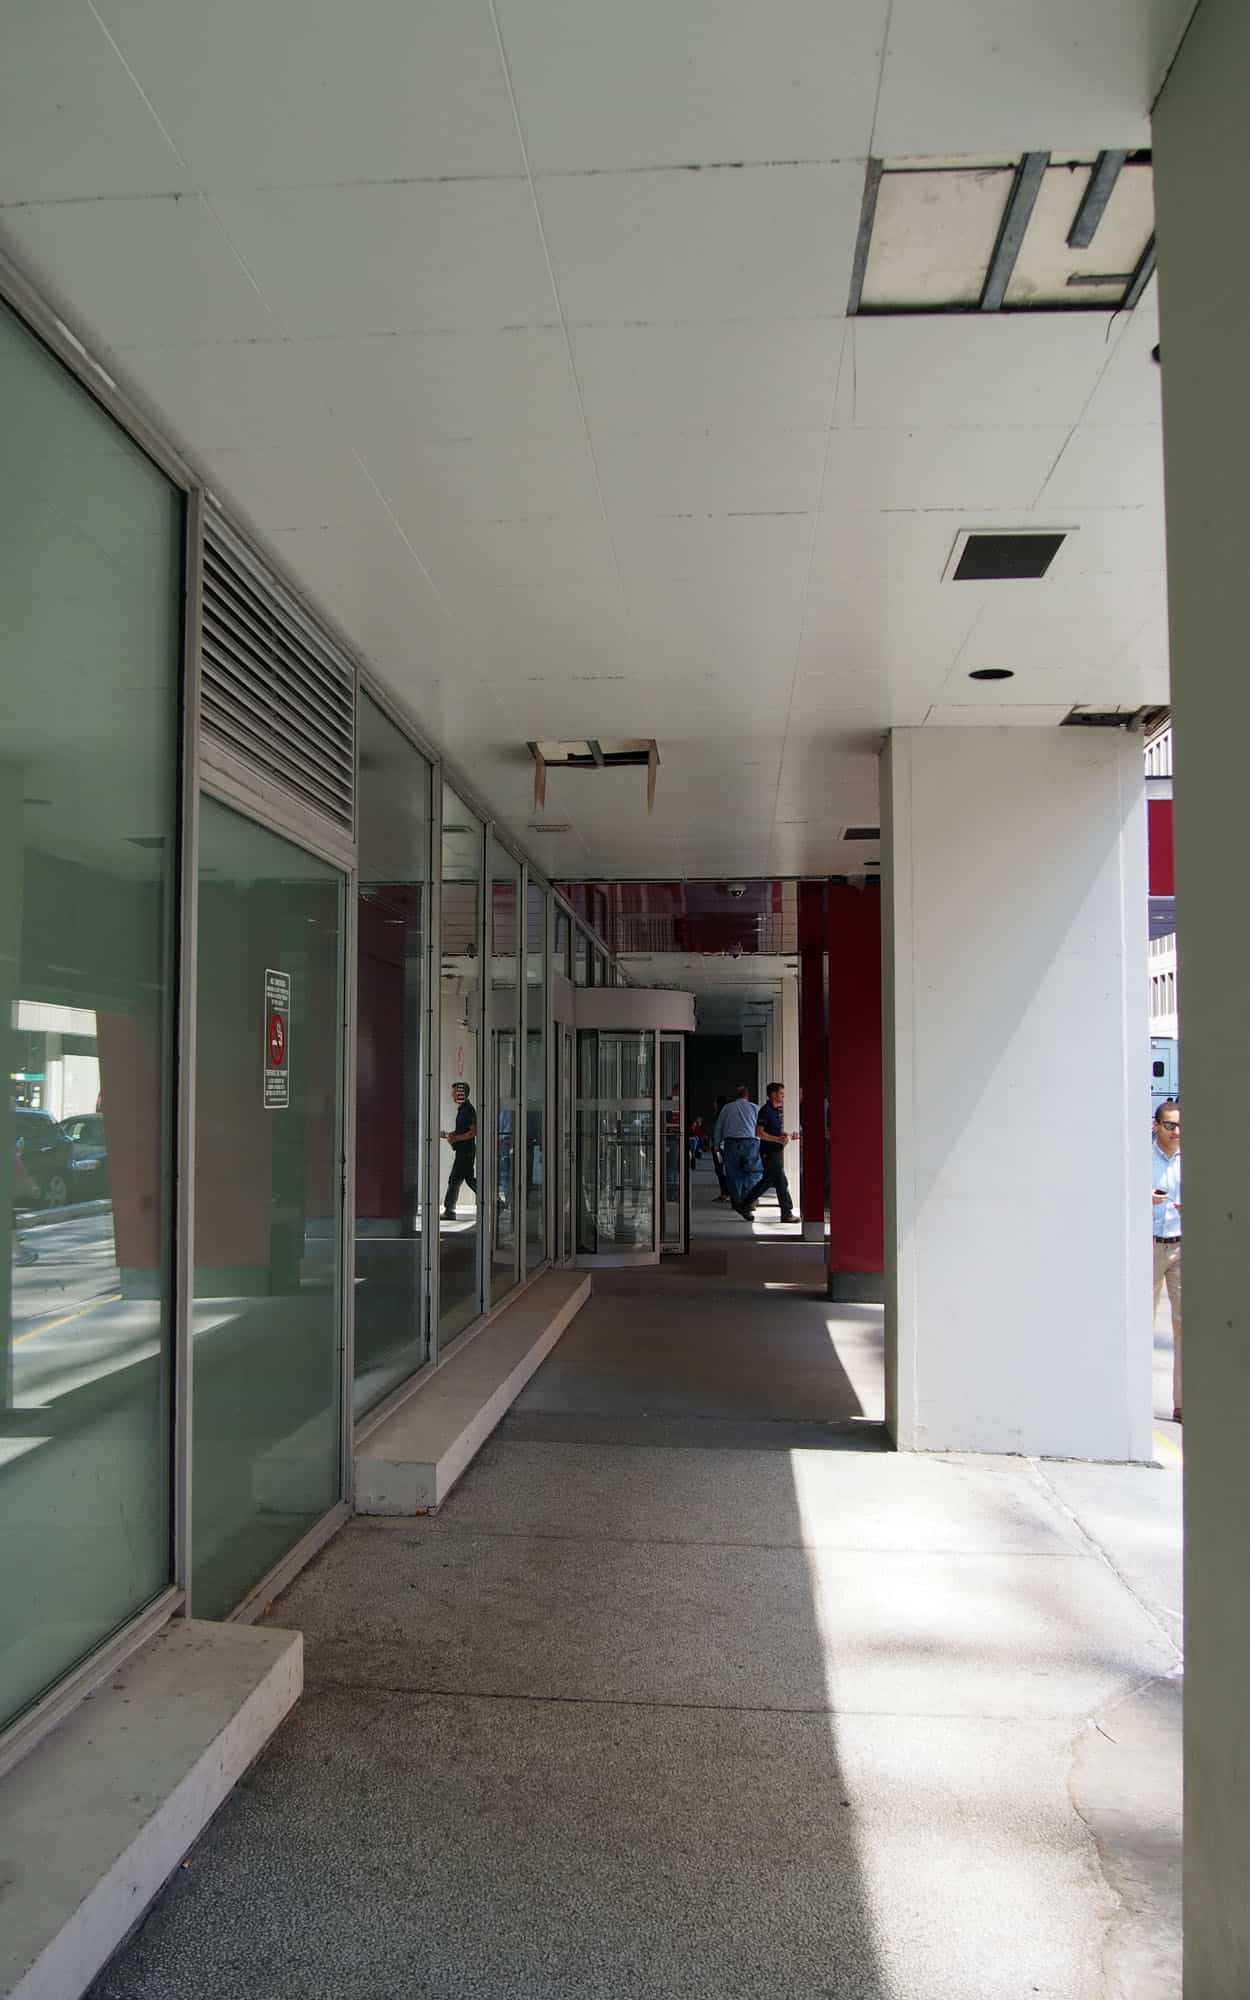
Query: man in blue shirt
771	1132
735	1135
1166	1197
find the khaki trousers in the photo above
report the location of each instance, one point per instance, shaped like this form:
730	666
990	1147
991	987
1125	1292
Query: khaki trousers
1168	1272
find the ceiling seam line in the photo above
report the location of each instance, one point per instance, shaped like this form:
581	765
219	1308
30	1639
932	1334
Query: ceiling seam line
555	293
876	102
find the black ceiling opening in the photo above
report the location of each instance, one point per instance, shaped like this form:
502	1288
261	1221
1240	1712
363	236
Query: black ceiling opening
996	558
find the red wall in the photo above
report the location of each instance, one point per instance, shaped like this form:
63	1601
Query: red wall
856	1156
1159	834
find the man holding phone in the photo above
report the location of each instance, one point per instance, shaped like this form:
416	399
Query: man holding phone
1166	1170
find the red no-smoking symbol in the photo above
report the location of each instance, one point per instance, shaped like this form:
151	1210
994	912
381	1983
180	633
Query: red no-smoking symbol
277	1041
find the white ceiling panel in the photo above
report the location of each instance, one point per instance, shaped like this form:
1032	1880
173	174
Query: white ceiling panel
767	552
157	271
1058	643
318	92
1105	467
567	557
402	258
743	243
1128	391
973	467
702	472
987	715
777	374
987	76
680	82
293	486
483	479
499	382
233	393
1001	370
71	119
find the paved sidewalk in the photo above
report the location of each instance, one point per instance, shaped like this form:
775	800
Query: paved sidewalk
681	1696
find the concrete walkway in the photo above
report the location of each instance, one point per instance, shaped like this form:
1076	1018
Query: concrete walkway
693	1689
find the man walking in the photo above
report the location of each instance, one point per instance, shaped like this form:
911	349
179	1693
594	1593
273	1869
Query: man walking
463	1142
735	1136
1166	1184
771	1132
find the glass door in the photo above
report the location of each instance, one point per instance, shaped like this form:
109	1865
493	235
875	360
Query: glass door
616	1141
568	1147
267	1328
675	1180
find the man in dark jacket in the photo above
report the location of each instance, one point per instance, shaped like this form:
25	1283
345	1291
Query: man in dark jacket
463	1142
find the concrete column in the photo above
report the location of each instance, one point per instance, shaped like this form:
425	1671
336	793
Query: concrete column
813	1059
1202	182
1017	1106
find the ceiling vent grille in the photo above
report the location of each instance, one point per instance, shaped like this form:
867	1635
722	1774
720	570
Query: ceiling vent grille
861	833
272	690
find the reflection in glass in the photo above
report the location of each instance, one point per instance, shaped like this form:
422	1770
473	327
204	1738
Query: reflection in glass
616	1141
535	1077
459	1069
267	1326
90	573
562	943
581	958
568	1144
505	993
673	1185
391	1338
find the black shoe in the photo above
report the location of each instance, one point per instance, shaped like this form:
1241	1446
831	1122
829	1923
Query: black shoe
789	1218
449	1215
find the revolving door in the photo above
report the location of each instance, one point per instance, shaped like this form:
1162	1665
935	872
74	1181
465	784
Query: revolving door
631	1174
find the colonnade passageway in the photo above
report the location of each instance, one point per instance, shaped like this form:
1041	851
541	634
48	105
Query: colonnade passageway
695	1687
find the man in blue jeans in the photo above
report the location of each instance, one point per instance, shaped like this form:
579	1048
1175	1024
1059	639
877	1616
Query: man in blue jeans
736	1139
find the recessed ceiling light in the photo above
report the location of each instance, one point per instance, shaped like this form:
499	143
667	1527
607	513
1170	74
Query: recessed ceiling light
991	674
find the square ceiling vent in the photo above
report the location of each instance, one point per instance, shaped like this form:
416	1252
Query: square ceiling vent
1043	231
1001	555
593	753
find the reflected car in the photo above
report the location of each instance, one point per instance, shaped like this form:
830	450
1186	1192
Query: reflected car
88	1157
46	1153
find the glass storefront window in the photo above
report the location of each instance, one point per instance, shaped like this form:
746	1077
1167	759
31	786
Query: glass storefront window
535	1077
460	1075
393	820
267	1311
505	890
90	643
581	958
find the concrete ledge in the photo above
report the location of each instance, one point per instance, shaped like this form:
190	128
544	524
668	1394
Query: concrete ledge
411	1462
99	1815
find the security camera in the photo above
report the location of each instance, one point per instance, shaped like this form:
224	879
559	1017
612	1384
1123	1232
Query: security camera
735	889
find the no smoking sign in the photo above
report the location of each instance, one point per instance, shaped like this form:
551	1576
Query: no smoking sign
277	1040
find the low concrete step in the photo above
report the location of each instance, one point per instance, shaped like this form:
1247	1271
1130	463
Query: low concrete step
412	1461
99	1815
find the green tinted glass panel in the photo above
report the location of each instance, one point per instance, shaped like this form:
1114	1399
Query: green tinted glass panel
266	1317
459	1095
90	582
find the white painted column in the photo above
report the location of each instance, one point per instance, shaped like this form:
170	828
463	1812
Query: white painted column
789	1075
1202	182
1017	1101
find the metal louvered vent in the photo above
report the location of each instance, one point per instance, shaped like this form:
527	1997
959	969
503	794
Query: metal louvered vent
272	690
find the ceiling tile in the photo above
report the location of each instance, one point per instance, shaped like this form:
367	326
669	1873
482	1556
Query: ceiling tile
769	553
995	76
748	243
971	467
403	259
483	479
71	120
1062	644
774	375
567	556
156	271
510	382
1128	391
675	82
712	473
230	393
998	369
1105	467
292	486
319	92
